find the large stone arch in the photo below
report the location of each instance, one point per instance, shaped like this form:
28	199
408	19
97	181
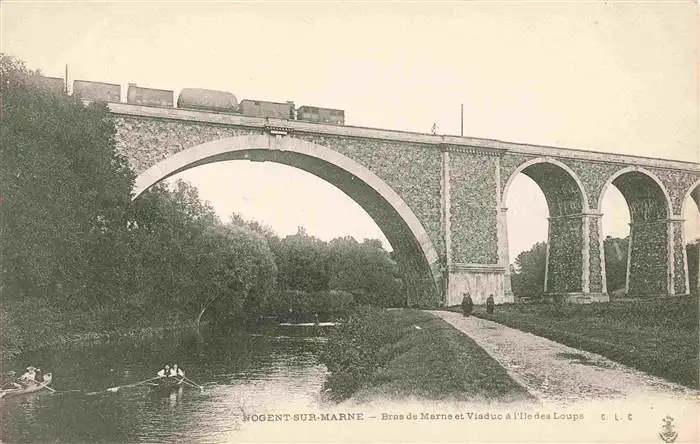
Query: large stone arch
570	256
655	264
415	251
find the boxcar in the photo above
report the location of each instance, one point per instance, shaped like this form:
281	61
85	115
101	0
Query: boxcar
260	108
322	115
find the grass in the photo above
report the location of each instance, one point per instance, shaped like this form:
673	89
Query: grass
658	336
399	361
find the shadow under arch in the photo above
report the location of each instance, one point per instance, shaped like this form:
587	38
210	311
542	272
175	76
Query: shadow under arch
537	168
416	253
635	176
566	271
650	255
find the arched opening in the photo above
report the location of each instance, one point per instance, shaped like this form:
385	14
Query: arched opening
691	214
566	201
615	229
648	251
527	237
414	251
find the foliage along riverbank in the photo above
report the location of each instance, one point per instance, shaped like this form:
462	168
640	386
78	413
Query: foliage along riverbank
399	354
80	258
657	335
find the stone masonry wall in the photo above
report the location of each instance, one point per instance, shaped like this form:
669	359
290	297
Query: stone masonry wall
595	266
145	142
648	273
473	209
412	170
564	265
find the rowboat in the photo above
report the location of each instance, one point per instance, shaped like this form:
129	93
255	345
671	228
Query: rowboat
167	383
30	388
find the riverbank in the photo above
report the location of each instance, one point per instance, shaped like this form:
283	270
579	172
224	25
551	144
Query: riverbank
658	336
52	334
408	354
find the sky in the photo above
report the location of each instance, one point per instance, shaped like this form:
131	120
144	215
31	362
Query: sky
605	76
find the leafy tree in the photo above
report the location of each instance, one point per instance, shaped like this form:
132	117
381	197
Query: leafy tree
64	189
302	262
528	279
365	270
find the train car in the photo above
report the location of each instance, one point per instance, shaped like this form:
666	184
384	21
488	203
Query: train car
55	85
321	115
261	108
207	99
138	95
97	91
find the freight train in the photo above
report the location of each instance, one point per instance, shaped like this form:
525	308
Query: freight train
194	98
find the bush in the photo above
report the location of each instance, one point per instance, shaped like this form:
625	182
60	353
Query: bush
357	348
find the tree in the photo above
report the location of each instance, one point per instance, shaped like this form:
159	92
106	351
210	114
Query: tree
237	272
528	280
65	189
365	270
301	260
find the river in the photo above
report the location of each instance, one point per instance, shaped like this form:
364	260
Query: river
241	372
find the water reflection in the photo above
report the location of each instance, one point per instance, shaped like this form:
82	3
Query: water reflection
243	372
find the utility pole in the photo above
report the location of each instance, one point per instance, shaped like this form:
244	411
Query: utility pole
461	125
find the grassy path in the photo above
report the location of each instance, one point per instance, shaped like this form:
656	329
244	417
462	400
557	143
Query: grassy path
404	354
557	373
657	336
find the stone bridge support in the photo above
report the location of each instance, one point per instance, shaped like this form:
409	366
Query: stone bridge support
575	270
656	260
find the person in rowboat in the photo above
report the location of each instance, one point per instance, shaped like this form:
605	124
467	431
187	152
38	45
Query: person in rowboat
175	371
28	376
38	376
165	371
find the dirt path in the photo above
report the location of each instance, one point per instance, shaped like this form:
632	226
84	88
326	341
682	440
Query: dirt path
557	373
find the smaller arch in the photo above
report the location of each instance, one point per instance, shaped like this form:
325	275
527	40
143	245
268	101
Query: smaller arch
694	193
635	169
553	161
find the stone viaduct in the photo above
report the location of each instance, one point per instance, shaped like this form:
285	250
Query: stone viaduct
440	200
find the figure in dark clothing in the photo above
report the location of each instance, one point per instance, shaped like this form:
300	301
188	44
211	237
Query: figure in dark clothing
467	305
489	304
38	376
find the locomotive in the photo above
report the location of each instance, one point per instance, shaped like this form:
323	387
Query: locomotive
207	100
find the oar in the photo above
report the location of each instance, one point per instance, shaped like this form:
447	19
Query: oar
114	389
192	383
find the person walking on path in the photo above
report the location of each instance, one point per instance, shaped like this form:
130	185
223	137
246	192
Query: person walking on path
467	304
489	304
